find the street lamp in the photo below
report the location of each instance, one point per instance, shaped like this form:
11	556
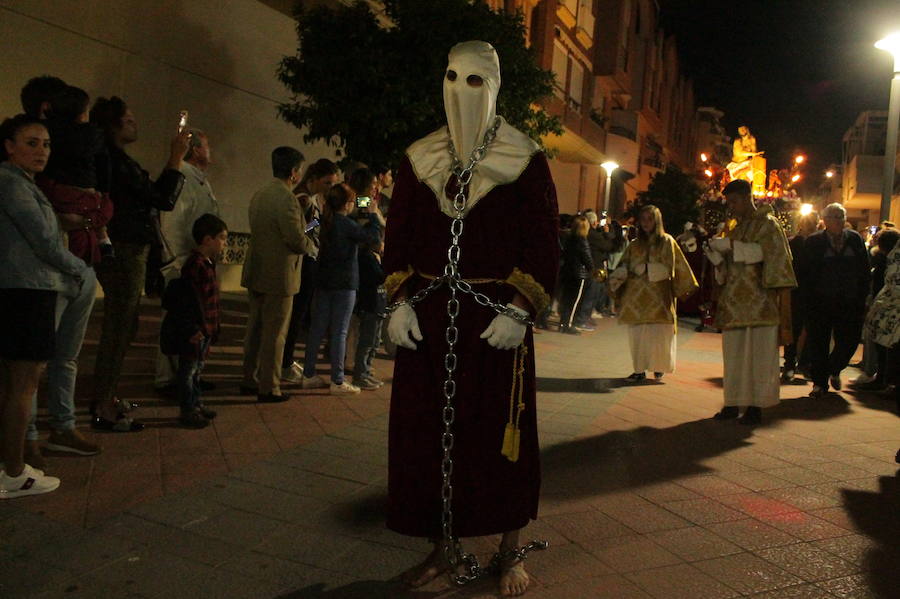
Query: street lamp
829	174
891	44
799	159
609	166
703	157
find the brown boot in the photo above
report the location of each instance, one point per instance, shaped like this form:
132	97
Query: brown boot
33	455
71	441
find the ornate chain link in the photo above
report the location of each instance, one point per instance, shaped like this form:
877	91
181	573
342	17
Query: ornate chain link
464	567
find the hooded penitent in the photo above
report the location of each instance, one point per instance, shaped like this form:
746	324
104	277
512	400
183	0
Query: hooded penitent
471	86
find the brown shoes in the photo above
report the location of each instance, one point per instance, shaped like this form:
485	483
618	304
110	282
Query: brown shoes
71	441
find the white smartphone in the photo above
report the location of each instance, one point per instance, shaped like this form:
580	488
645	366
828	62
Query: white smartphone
182	120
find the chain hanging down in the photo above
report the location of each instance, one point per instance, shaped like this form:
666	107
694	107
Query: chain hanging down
464	567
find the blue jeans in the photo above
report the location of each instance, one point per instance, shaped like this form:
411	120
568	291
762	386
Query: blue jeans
187	379
331	309
72	315
367	344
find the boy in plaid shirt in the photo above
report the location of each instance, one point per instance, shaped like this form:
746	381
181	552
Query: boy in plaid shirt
191	324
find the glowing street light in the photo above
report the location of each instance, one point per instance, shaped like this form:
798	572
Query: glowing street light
795	178
703	157
708	173
829	174
890	44
806	209
800	159
609	166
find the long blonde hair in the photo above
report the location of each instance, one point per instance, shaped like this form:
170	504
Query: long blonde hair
659	231
580	226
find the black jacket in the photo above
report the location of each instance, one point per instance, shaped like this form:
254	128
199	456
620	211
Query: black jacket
827	277
79	157
577	262
338	266
184	317
371	296
136	198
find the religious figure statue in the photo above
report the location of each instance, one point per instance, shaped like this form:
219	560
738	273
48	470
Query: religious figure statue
746	162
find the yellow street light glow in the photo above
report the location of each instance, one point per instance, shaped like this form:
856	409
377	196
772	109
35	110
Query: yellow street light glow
769	194
708	173
609	166
799	159
829	174
806	209
703	157
890	43
795	178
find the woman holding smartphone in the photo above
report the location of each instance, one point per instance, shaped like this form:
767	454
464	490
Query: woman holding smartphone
336	284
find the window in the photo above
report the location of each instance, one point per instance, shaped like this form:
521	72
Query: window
576	84
560	68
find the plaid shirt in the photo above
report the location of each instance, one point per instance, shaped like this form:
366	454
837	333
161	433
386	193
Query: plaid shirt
201	272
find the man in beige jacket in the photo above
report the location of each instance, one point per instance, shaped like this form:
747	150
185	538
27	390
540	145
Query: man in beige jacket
271	274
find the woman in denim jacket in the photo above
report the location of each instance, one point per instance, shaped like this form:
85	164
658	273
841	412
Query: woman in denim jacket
35	267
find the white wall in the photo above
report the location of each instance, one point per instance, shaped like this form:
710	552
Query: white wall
215	58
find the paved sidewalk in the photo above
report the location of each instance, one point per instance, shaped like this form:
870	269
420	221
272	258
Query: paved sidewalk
643	495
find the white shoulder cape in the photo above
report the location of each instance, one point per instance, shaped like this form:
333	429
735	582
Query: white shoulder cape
506	159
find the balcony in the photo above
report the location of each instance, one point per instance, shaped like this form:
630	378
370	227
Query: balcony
566	11
624	124
584	33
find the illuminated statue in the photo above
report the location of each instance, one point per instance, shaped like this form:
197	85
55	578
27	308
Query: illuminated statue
746	162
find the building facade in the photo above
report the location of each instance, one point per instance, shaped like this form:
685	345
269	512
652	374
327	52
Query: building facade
862	169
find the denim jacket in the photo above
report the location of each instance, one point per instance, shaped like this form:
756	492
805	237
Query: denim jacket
32	253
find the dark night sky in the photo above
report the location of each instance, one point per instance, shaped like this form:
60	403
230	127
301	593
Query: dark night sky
796	72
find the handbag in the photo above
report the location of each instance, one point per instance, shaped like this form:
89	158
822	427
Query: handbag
158	260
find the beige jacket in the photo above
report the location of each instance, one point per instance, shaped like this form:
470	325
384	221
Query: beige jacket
277	242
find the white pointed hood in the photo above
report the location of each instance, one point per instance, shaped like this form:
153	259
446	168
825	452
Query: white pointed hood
471	110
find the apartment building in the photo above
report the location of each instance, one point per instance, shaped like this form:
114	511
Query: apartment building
863	168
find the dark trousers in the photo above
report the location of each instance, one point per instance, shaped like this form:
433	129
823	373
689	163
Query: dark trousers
122	279
826	319
586	306
300	308
791	361
188	379
570	298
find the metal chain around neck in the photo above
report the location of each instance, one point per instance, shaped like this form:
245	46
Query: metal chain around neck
464	567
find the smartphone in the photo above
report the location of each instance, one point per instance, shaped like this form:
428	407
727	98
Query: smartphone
312	225
602	222
182	120
363	202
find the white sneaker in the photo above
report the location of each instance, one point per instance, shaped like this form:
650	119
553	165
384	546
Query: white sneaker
313	382
293	373
344	388
30	482
366	384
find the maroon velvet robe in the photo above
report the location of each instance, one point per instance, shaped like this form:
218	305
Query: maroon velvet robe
512	227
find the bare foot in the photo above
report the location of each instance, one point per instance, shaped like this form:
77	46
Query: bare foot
433	566
514	580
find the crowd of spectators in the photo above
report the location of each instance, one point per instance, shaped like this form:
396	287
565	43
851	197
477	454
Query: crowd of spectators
77	209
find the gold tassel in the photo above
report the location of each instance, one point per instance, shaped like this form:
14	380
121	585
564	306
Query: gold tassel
512	434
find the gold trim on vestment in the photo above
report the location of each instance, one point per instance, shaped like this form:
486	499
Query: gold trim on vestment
396	280
533	291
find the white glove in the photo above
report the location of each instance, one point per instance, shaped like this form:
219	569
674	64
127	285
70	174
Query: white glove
720	244
505	332
402	325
